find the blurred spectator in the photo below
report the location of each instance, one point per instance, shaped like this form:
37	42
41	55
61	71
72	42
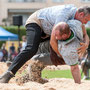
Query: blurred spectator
12	48
20	47
5	52
24	43
1	56
11	51
14	55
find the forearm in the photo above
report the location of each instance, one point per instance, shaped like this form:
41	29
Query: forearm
86	39
85	36
54	46
76	74
54	43
84	45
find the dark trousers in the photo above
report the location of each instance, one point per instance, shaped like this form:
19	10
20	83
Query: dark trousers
33	33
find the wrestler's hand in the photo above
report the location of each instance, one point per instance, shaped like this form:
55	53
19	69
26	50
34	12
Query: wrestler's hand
82	49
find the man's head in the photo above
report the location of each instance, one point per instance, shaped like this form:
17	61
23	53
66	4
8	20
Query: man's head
83	14
62	31
24	38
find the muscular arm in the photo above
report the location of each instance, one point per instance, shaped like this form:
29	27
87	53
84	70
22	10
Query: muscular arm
54	43
84	45
76	73
86	38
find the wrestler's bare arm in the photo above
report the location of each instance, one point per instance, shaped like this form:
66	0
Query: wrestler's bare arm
54	43
76	73
86	38
85	44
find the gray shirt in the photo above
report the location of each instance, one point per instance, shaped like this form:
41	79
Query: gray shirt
68	49
53	15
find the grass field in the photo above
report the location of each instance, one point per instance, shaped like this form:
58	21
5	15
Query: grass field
57	74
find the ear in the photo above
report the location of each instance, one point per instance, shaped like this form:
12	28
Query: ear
81	14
